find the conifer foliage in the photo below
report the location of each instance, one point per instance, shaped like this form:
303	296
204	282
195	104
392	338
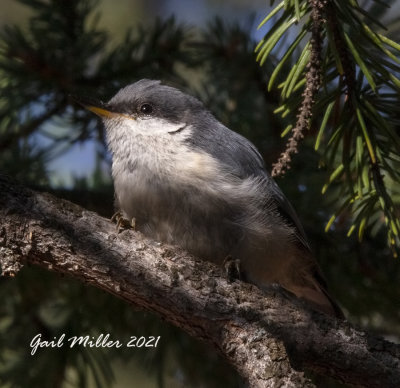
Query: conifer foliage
345	82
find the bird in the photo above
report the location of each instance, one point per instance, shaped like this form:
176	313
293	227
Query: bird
183	178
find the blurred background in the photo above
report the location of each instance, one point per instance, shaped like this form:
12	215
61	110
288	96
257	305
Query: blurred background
50	49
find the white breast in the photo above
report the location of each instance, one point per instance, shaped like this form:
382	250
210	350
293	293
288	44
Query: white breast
185	196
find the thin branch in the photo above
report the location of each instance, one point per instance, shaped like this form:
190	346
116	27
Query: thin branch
268	337
313	82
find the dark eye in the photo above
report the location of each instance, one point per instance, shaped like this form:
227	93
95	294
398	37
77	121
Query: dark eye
146	109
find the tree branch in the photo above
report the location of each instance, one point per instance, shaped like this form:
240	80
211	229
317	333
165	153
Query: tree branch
268	337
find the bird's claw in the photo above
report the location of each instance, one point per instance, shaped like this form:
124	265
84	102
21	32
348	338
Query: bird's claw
123	223
231	267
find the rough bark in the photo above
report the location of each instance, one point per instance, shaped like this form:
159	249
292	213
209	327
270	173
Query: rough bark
269	337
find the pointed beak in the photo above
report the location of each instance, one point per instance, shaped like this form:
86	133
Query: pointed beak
96	106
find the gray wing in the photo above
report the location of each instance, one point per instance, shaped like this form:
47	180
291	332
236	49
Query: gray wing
286	210
244	160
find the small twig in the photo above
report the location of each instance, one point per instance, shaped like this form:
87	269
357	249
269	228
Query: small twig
313	82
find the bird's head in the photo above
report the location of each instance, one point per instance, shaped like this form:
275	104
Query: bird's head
147	108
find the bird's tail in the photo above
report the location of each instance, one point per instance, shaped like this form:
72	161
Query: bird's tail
313	289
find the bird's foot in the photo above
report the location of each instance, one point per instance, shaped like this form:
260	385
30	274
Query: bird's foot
123	223
231	267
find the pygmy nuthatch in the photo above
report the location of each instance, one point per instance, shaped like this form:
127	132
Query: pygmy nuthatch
187	180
